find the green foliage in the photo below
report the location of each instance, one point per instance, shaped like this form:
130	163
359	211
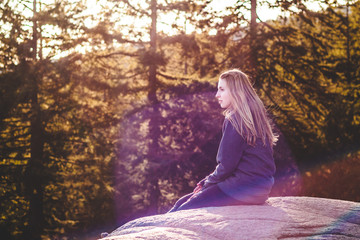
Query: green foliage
45	141
307	72
187	125
92	140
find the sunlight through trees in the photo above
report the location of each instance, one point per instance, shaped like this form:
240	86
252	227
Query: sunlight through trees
108	110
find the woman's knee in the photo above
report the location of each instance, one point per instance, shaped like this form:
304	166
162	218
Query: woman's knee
180	201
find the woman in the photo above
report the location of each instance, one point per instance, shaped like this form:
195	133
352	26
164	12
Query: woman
245	170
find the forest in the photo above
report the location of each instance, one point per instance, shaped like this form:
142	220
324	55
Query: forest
108	109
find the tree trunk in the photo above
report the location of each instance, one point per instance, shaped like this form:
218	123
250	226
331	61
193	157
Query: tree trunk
253	43
153	68
348	74
34	180
154	131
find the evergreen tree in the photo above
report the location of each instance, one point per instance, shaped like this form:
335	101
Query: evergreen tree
45	141
155	82
296	72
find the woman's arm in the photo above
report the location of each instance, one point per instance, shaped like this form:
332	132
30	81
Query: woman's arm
231	148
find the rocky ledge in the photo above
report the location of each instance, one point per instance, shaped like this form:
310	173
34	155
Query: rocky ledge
278	218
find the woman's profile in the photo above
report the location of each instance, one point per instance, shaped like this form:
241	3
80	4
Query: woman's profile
245	164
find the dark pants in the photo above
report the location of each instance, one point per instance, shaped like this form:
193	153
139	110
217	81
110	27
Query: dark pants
211	196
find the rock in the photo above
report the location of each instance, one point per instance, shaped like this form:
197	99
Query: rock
278	218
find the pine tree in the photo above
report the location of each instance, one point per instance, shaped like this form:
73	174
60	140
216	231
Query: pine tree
42	132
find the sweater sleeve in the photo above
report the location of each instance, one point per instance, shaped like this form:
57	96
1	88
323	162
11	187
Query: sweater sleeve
230	151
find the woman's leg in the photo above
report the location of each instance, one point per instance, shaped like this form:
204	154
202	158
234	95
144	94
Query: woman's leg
180	202
209	197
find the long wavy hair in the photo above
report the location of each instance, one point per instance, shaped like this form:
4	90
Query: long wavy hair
247	112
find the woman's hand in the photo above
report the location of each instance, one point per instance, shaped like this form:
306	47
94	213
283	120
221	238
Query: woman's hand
199	186
202	182
197	189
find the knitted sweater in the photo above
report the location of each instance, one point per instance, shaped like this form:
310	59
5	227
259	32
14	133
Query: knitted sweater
244	172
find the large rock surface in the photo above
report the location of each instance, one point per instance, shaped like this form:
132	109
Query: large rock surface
279	218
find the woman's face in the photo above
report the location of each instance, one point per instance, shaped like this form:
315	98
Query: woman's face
223	94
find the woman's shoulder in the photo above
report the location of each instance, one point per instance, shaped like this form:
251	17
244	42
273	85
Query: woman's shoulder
228	125
229	131
233	126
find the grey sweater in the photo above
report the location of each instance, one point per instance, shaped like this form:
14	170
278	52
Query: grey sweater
244	172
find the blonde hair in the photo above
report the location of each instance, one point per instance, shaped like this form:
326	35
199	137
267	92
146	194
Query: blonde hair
247	112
